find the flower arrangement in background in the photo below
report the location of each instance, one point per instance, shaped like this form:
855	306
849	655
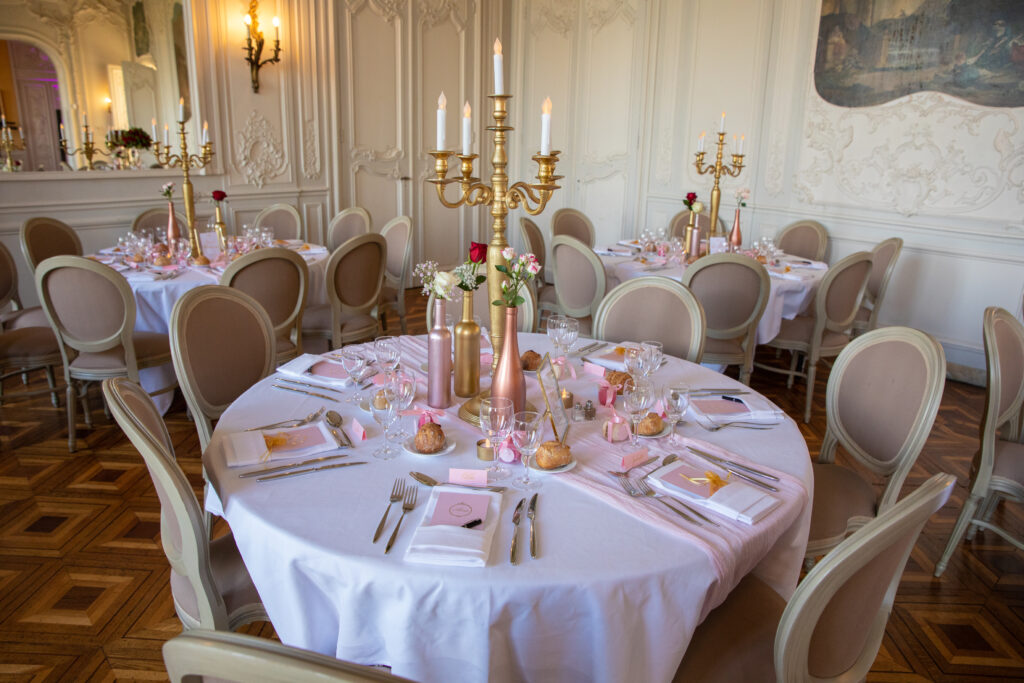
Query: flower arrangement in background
519	270
133	138
467	274
742	196
218	196
440	283
167	190
692	204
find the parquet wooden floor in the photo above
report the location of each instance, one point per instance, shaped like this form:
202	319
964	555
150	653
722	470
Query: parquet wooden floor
84	591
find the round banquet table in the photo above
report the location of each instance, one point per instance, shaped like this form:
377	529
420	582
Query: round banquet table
610	597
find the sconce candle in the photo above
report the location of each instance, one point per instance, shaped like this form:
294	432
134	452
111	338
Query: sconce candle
85	119
467	132
545	127
254	44
742	137
442	120
700	141
181	109
62	131
499	69
152	123
277	28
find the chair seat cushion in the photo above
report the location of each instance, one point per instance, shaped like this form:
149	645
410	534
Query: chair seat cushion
839	494
1009	461
800	329
27	344
284	345
26	317
151	348
723	347
736	642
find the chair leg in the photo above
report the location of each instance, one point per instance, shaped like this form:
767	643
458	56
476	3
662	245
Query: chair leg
52	381
966	514
811	370
84	398
71	414
401	320
792	369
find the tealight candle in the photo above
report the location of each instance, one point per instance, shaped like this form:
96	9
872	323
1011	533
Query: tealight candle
567	398
484	450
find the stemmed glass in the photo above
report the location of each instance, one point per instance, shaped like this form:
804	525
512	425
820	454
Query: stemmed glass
384	409
358	368
676	399
638	395
570	333
387	351
497	418
637	361
526	436
655	354
554	329
404	388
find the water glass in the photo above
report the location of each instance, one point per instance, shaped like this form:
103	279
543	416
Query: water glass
655	354
526	435
384	409
358	369
570	333
403	386
554	328
637	361
497	418
676	399
388	351
638	397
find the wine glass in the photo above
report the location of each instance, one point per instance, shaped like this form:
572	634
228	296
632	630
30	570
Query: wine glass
676	398
570	333
554	328
497	418
638	395
358	368
403	386
655	354
637	361
384	409
387	351
526	435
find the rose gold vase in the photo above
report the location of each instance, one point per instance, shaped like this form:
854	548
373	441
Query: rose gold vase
439	360
467	351
508	379
173	232
735	237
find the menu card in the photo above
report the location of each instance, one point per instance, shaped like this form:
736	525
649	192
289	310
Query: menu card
736	500
455	508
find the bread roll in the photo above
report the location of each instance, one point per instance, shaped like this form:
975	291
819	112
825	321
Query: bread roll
430	438
617	378
552	454
651	424
531	360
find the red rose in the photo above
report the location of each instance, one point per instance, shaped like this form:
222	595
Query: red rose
219	195
477	252
691	196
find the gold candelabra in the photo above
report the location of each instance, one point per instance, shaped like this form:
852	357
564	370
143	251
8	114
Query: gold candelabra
88	149
187	162
8	144
718	169
501	197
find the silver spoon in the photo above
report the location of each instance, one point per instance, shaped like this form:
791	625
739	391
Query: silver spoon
295	422
428	480
335	420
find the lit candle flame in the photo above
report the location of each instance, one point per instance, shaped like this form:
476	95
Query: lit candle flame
546	107
466	111
497	46
442	101
247	19
276	22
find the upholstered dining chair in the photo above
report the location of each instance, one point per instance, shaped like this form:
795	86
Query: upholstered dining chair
12	314
826	331
283	219
202	654
580	281
806	239
24	350
43	237
350	222
222	342
883	394
733	289
277	278
398	233
832	627
677	226
533	242
883	262
91	309
996	472
210	585
354	277
572	223
653	308
527	316
155	219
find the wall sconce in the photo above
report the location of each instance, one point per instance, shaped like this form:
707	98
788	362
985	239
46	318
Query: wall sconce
254	52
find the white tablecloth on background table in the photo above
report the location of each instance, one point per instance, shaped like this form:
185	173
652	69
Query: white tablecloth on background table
787	299
611	598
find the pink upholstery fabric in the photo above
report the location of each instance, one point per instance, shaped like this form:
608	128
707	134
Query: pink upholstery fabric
154	219
839	494
151	348
282	222
272	282
1009	461
800	329
880	261
842	294
8	276
345	228
729	293
87	305
358	274
631	318
229	573
48	237
27	345
26	317
801	240
721	347
1011	363
575	280
572	223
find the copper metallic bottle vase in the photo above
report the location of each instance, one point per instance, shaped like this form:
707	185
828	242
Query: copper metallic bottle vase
173	232
735	237
221	229
467	351
508	379
439	360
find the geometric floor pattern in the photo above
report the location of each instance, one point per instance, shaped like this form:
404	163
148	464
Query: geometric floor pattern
84	591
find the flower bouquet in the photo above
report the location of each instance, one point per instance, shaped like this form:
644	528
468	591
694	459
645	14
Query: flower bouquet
467	331
508	379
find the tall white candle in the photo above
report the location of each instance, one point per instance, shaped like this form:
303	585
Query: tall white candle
277	28
700	141
499	69
85	119
181	108
721	126
442	121
742	137
62	131
167	135
467	130
3	120
545	126
206	133
152	123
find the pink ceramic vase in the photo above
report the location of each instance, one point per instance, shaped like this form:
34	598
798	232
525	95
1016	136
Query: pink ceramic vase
508	379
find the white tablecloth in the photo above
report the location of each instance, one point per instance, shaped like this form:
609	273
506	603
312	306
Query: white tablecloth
610	598
787	299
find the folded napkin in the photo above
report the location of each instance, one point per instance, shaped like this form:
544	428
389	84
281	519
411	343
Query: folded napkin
309	366
610	360
749	408
797	262
736	500
635	244
798	275
251	448
140	275
450	544
614	251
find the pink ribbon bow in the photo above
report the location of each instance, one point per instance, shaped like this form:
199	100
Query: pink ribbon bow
613	422
507	452
606	392
425	414
562	366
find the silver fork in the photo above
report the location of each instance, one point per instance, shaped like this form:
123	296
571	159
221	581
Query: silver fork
397	491
646	490
407	506
293	422
715	426
627	485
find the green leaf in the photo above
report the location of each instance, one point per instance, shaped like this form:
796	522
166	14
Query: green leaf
497	302
501	269
480	279
519	301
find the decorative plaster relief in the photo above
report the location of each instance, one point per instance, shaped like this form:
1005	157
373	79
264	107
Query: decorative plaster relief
310	150
433	12
387	9
258	153
557	15
776	162
600	12
383	163
923	153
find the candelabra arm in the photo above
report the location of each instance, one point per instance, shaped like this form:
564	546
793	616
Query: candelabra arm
523	193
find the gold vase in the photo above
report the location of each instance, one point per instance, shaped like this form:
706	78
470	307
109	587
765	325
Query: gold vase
467	351
221	229
508	379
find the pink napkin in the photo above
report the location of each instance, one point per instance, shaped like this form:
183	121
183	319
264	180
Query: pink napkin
328	369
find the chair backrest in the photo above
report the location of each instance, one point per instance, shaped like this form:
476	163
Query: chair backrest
580	280
733	289
883	263
90	307
840	293
628	313
182	532
8	279
222	342
353	221
572	223
277	278
883	394
527	316
806	239
354	277
533	240
283	219
833	625
155	219
398	233
43	237
200	654
677	226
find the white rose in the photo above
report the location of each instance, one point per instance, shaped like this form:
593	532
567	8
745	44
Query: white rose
444	282
697	207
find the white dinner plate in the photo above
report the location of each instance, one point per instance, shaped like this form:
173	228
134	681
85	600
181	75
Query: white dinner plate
666	430
408	445
557	470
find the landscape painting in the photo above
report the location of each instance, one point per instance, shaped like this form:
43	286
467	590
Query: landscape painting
873	51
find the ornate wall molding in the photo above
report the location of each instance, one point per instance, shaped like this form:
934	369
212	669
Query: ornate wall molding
558	15
383	162
776	161
258	154
388	10
601	12
926	153
434	12
310	150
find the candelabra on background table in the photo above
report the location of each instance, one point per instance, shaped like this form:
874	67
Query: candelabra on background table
8	144
717	169
88	148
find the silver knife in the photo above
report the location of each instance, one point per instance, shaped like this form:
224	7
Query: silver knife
515	531
716	392
531	512
307	393
282	468
733	470
307	384
737	465
311	469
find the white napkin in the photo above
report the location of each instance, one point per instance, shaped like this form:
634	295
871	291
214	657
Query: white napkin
140	275
755	409
608	359
452	545
736	500
249	448
299	367
797	262
799	275
635	244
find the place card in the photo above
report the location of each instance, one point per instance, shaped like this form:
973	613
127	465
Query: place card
593	369
359	430
467	477
633	459
455	508
329	369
